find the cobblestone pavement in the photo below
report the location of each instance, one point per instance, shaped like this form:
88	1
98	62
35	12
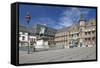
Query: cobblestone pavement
72	54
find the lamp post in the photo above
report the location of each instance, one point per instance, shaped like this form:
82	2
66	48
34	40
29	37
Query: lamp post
28	18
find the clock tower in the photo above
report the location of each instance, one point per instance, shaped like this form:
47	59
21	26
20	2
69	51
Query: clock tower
81	20
81	31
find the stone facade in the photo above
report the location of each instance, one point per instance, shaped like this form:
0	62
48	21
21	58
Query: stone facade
81	34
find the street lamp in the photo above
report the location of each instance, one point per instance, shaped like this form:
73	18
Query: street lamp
28	18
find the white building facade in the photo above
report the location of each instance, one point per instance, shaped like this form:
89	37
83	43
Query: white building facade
25	38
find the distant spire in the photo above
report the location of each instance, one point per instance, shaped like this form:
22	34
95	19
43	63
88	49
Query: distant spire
81	17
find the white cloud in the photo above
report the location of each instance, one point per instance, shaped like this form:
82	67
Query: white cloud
45	20
65	21
71	15
68	17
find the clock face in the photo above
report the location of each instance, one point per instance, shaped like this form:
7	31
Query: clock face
82	23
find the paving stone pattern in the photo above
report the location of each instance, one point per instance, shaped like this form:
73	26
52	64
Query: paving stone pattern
71	54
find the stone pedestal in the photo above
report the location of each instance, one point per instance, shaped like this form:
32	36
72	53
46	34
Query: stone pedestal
42	44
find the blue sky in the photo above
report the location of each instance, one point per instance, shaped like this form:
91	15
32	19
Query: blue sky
55	17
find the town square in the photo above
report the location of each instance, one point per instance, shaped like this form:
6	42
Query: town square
56	34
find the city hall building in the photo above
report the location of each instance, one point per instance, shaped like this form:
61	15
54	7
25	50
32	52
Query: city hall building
80	34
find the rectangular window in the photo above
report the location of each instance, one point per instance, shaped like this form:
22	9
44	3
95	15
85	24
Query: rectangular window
89	38
93	38
86	39
23	38
85	33
77	34
93	32
89	32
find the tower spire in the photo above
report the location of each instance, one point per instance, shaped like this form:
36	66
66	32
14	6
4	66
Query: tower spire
81	17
